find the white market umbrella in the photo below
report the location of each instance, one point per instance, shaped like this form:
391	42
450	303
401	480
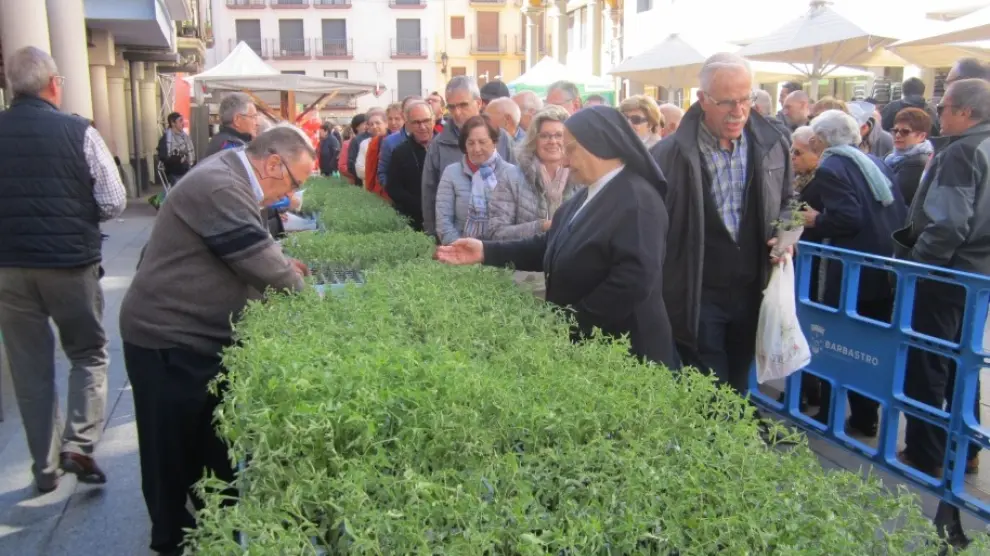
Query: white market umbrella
676	62
825	37
941	55
968	28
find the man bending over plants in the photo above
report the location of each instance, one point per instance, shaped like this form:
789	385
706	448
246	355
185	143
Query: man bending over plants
209	253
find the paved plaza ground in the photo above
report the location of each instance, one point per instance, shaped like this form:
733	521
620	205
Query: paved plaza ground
111	521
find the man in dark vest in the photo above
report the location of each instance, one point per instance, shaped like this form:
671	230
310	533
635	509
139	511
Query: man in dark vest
58	181
735	181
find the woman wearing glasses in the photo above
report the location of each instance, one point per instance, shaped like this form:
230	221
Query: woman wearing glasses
912	150
523	208
602	256
645	118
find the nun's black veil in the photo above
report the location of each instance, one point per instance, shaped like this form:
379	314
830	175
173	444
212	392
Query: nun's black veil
605	132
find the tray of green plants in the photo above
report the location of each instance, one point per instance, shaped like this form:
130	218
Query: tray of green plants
361	251
441	410
350	209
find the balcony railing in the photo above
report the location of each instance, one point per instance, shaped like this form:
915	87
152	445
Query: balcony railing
409	48
332	4
257	45
246	4
407	3
486	44
542	49
290	4
290	48
334	49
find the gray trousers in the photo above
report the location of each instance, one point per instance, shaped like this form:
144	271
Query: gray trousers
73	299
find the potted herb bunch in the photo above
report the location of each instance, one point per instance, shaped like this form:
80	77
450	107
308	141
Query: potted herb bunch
789	229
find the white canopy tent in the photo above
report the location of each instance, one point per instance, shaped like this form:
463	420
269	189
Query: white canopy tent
547	71
968	28
243	70
826	37
676	61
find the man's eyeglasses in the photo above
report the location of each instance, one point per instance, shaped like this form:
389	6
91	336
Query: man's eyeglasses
797	152
422	123
901	131
295	183
942	108
731	104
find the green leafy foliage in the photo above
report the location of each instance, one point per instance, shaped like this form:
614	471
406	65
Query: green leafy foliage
348	209
440	410
358	250
795	220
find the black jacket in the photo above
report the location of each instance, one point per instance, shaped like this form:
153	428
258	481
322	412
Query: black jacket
48	216
606	265
329	151
405	180
679	156
916	101
907	174
852	218
226	138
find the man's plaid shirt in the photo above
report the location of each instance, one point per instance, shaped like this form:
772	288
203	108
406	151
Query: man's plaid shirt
728	175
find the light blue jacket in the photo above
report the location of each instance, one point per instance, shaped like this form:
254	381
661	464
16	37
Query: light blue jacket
454	196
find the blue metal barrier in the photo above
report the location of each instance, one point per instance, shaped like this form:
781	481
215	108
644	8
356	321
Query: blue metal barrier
858	354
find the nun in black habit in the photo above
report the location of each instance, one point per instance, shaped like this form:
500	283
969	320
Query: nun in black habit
603	255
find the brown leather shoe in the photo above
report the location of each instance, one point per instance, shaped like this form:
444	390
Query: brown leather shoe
83	467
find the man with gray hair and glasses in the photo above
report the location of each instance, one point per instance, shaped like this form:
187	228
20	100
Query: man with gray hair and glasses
58	181
463	103
734	180
209	254
948	226
529	104
238	123
564	94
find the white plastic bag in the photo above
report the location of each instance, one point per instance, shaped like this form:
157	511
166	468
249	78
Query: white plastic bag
781	347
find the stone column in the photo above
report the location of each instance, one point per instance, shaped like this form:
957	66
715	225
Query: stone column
532	34
68	38
148	118
101	102
595	18
561	49
23	23
119	105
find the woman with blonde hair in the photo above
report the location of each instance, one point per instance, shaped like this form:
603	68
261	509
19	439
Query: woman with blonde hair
645	118
828	103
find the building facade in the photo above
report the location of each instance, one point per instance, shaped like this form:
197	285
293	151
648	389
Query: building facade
381	41
118	60
587	33
486	39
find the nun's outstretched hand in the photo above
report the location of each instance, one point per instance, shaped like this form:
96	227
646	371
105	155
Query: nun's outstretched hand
462	251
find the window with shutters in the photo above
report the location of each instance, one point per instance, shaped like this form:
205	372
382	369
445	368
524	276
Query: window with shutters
488	70
294	72
457	27
410	82
249	31
290	38
336	74
334	42
454	72
407	37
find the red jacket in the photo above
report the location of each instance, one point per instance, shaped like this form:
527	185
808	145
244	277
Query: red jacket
342	162
371	163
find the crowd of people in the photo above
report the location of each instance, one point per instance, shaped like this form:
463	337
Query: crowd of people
641	220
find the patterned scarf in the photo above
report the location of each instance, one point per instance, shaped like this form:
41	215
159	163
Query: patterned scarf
553	187
483	181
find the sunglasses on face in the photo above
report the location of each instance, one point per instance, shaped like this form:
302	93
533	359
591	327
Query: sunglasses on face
901	131
797	152
636	119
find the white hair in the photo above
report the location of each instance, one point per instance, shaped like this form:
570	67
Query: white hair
528	102
508	106
763	102
671	111
411	105
721	61
463	83
835	128
29	70
232	105
803	134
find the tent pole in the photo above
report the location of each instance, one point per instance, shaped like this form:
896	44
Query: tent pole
816	73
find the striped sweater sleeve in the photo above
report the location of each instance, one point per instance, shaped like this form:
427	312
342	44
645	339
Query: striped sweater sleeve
233	230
